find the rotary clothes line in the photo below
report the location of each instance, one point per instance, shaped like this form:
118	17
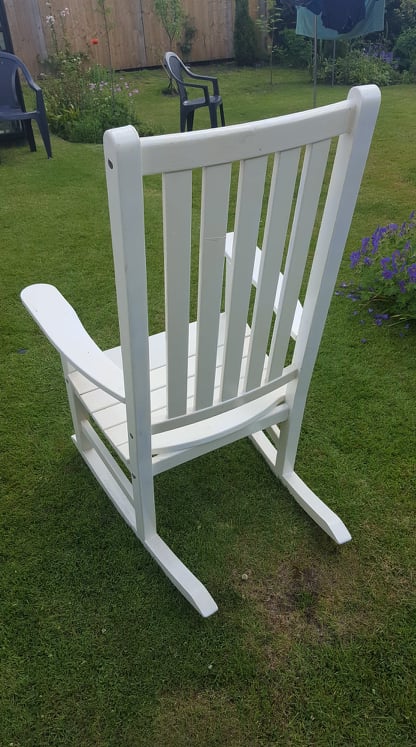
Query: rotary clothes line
337	19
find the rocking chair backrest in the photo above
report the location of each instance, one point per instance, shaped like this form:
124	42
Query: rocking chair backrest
284	165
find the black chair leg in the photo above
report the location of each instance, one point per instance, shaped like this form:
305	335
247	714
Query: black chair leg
44	131
190	121
27	129
222	115
213	116
183	118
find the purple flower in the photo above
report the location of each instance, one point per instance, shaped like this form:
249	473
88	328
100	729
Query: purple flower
354	259
411	271
387	274
364	244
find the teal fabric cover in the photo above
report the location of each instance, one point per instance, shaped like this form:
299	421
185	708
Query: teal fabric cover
373	21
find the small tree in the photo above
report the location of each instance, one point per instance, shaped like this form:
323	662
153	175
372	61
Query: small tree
172	17
268	21
245	41
105	13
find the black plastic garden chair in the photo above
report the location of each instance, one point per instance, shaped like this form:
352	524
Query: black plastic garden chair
12	107
178	72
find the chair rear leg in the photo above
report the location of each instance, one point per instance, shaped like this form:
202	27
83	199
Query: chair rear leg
283	469
28	130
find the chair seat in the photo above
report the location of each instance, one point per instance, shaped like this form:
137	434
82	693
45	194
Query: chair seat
111	416
198	102
7	113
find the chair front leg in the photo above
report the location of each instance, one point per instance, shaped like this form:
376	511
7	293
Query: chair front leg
190	121
213	115
183	119
222	115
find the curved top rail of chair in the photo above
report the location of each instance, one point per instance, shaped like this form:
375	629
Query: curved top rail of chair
174	152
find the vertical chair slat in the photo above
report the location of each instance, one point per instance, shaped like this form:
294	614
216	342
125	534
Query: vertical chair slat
247	218
177	215
214	216
313	172
282	186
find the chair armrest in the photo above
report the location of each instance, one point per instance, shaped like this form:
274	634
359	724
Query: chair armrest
210	78
29	80
63	328
199	85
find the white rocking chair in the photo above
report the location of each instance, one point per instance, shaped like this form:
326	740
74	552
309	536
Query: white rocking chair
162	400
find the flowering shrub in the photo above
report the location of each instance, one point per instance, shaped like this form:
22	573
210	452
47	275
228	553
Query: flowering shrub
386	263
82	101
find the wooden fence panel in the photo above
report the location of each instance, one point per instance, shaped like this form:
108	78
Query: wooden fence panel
26	30
136	36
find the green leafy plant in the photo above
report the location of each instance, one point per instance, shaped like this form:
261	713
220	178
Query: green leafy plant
188	35
80	109
268	23
405	49
358	68
245	39
293	50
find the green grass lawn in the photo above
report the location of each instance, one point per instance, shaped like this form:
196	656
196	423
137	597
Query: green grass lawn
313	645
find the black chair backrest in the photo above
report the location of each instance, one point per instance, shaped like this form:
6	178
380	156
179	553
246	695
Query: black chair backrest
175	68
9	65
